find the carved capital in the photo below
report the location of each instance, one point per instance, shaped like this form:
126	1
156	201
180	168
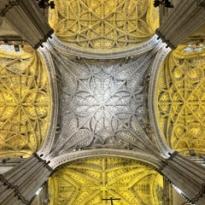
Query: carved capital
165	162
46	164
164	39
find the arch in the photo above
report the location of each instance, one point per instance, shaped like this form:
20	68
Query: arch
159	138
72	51
135	155
48	143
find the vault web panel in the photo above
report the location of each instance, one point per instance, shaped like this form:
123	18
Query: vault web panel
90	182
98	100
181	100
103	25
25	102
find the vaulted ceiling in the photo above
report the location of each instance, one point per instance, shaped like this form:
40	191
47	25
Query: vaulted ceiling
103	52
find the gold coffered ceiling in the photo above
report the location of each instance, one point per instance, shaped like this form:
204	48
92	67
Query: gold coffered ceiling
88	182
104	25
25	102
181	99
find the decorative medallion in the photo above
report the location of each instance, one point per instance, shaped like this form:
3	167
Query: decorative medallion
106	181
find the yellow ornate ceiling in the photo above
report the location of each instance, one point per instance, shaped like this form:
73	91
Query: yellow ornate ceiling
104	25
25	102
88	182
181	99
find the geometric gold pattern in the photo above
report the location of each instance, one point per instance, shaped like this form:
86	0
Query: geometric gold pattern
25	102
88	182
104	25
181	100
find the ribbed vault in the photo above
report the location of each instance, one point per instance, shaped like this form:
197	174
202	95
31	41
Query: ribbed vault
25	101
181	100
104	26
88	182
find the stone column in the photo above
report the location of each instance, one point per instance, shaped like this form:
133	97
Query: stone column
8	163
27	18
182	21
187	176
19	185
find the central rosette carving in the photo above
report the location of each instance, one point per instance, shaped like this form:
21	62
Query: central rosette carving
99	100
106	101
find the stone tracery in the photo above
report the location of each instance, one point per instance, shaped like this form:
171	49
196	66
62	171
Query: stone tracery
177	168
103	25
101	99
89	181
25	103
180	94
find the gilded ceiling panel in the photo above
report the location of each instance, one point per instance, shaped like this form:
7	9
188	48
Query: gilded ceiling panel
104	25
105	181
181	99
25	102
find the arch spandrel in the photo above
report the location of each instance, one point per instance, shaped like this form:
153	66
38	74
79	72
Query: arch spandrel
88	181
104	27
25	101
180	101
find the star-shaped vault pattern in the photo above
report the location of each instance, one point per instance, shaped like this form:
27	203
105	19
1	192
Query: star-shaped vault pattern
181	100
25	103
87	182
103	25
100	99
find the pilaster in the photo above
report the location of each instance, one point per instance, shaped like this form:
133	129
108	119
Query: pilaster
187	176
27	19
186	18
19	185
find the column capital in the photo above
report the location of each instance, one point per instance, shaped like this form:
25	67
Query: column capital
43	161
166	161
163	38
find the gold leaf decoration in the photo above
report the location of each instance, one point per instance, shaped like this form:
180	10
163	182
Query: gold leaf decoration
104	25
181	100
25	102
88	182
